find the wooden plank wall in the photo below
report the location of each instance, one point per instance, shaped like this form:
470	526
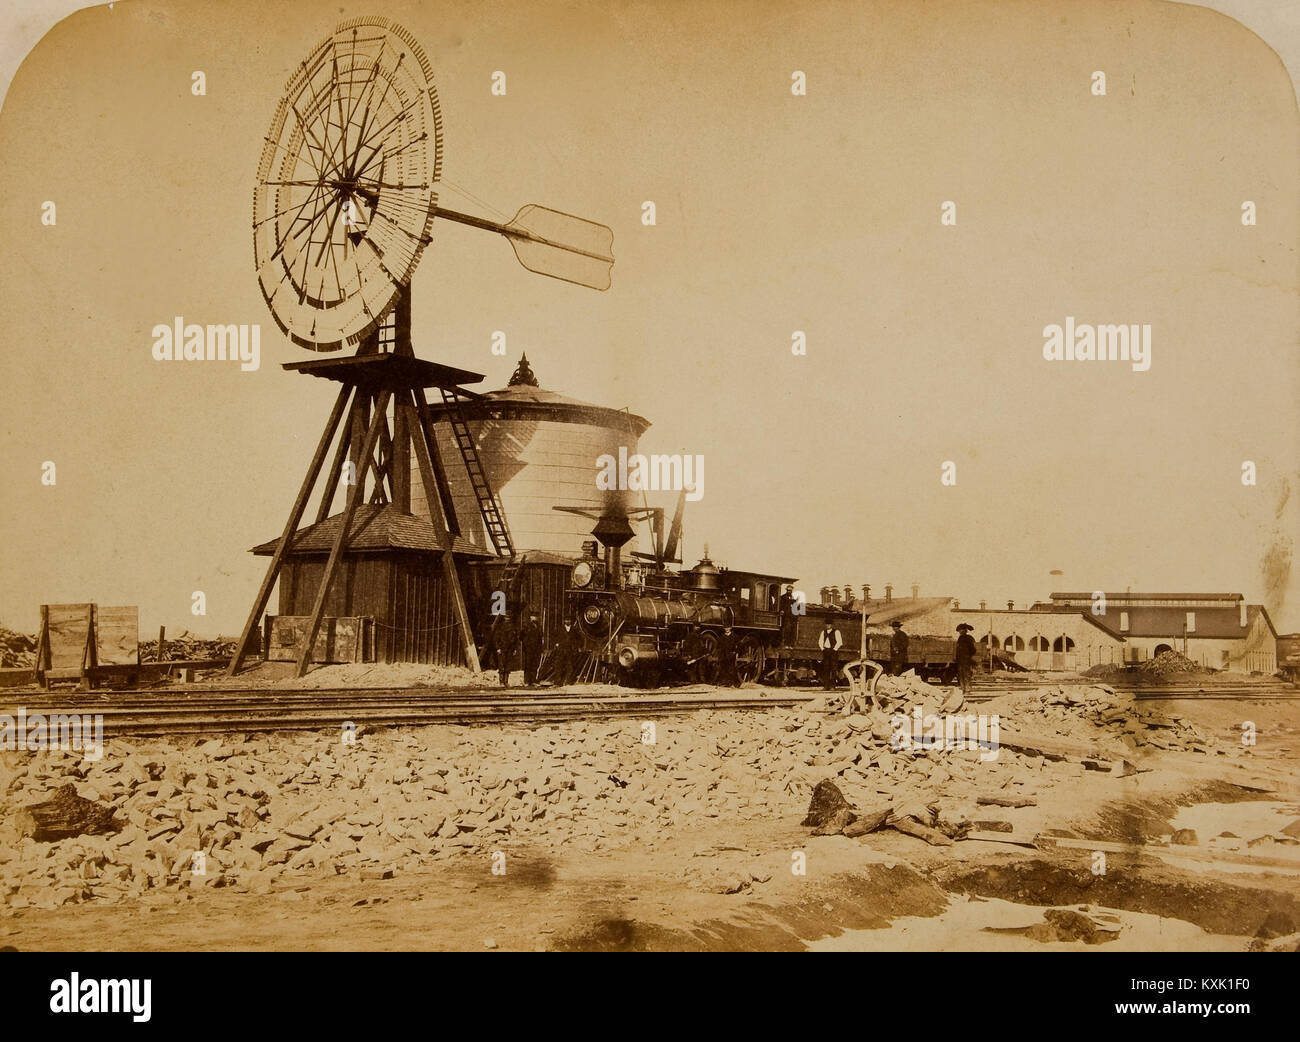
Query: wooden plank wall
117	635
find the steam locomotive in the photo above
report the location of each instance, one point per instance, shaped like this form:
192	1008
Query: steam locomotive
634	629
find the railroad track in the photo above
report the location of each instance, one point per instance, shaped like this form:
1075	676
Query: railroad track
211	711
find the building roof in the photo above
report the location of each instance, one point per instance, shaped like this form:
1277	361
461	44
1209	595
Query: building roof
1129	595
1040	608
881	612
375	527
1214	623
523	398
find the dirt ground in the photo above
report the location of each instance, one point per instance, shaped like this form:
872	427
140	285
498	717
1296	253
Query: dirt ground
885	891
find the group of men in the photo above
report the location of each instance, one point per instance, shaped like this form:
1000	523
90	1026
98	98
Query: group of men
830	641
529	642
695	655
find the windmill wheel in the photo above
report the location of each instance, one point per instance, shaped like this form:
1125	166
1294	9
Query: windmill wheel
344	197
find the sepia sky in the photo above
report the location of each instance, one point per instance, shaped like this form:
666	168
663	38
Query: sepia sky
775	213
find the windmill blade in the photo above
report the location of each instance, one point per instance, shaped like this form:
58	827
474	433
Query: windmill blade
553	243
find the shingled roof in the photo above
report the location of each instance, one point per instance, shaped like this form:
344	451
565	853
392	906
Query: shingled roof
374	527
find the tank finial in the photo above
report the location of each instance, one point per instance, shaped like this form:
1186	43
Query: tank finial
523	374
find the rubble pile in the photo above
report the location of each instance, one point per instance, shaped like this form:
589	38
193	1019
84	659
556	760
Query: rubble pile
17	650
276	811
185	646
1097	712
279	809
1168	664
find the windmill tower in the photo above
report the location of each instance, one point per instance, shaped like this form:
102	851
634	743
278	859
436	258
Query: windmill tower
343	208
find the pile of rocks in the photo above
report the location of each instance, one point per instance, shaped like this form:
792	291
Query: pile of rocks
186	646
17	650
1168	664
274	811
1096	712
277	811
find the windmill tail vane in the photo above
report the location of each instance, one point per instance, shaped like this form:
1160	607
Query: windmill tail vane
553	243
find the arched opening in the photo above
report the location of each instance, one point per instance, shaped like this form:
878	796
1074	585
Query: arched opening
1037	643
989	639
1062	643
1014	643
1161	649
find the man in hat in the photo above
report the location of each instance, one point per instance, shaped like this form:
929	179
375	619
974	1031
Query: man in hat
530	644
726	652
505	638
898	649
965	657
694	653
568	655
830	641
789	627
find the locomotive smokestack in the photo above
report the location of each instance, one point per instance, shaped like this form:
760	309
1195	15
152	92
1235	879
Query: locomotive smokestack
866	591
916	590
984	605
889	592
1011	605
823	595
835	595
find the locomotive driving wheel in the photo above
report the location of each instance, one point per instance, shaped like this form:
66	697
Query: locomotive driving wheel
750	658
709	663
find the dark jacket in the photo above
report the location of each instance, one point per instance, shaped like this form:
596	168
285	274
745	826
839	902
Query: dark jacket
965	649
531	637
505	638
898	646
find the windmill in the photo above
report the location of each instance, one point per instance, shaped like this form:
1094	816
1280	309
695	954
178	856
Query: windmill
345	200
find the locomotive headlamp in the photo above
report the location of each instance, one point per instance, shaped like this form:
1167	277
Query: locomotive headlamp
582	574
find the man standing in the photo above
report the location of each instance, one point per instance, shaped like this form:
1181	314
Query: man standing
727	676
830	641
568	660
505	638
530	642
898	650
693	654
789	627
965	657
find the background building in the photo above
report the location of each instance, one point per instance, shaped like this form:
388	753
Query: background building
1214	630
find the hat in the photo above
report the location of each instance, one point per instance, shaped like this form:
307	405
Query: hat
964	626
897	623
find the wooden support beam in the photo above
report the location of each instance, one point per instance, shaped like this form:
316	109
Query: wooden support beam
336	471
431	441
290	527
423	457
400	465
307	639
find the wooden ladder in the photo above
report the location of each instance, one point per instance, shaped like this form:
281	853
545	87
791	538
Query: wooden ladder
493	518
